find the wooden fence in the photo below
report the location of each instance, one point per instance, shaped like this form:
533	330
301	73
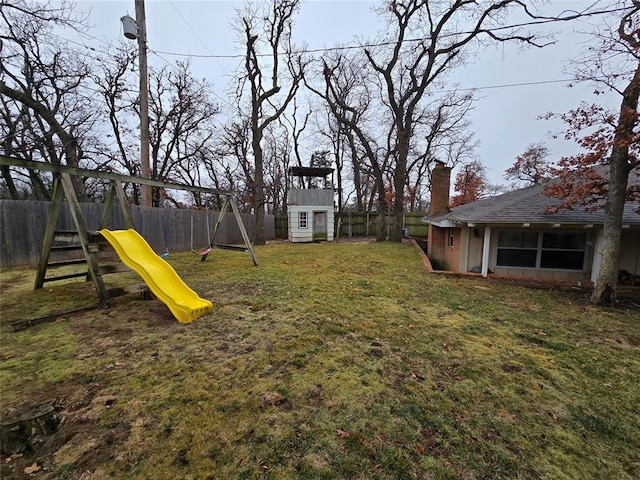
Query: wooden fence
414	224
281	224
356	224
22	226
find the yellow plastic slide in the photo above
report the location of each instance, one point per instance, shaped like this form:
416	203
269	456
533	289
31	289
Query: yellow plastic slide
162	279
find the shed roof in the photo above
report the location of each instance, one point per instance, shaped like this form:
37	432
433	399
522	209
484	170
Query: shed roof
528	205
310	171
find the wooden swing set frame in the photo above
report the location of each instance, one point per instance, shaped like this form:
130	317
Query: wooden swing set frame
92	242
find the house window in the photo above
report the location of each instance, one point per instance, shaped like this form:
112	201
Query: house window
451	237
563	250
302	219
557	250
517	248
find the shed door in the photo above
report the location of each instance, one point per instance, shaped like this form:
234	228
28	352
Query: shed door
319	225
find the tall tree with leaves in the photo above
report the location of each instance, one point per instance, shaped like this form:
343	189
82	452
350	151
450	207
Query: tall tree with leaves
470	183
531	167
610	139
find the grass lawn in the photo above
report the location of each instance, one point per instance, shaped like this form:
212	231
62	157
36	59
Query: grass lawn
328	361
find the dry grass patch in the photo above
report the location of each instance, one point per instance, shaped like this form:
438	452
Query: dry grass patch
340	360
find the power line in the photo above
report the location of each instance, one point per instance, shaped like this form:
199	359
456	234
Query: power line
509	85
160	53
390	43
196	35
81	44
172	66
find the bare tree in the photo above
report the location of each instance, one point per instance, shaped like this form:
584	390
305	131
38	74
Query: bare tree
277	155
424	41
46	79
20	140
328	135
119	94
348	92
234	159
407	68
297	131
267	30
180	121
442	132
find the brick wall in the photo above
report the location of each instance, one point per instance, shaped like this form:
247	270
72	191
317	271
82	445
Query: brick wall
452	254
437	241
440	184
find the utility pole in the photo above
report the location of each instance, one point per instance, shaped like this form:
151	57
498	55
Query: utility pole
144	101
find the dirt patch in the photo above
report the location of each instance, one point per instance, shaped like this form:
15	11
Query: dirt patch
79	445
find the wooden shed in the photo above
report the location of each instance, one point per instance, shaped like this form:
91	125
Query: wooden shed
310	205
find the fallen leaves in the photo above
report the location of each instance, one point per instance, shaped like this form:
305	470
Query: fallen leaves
32	469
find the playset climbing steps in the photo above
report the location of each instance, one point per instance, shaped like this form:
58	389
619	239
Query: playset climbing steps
80	239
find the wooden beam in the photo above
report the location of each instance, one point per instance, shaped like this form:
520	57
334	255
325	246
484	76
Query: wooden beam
83	172
124	204
50	231
243	231
235	248
21	325
78	220
108	201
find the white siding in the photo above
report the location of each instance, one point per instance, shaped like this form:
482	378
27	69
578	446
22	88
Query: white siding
297	234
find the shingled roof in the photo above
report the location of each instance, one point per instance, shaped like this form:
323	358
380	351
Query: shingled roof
528	205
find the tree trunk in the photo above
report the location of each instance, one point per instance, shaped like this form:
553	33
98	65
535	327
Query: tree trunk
605	290
620	167
20	431
11	186
355	163
258	192
399	180
39	189
381	224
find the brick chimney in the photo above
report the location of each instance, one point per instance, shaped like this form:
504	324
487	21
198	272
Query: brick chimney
440	183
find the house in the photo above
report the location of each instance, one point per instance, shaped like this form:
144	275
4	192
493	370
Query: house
511	234
310	208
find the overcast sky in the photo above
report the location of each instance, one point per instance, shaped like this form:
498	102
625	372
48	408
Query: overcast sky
505	118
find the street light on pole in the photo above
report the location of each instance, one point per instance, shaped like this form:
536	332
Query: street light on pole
137	29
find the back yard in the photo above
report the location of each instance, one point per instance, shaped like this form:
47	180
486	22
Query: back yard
329	361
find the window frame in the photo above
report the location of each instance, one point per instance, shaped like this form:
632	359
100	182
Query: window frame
540	250
303	220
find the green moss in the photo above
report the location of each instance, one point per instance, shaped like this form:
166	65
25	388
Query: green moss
341	360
